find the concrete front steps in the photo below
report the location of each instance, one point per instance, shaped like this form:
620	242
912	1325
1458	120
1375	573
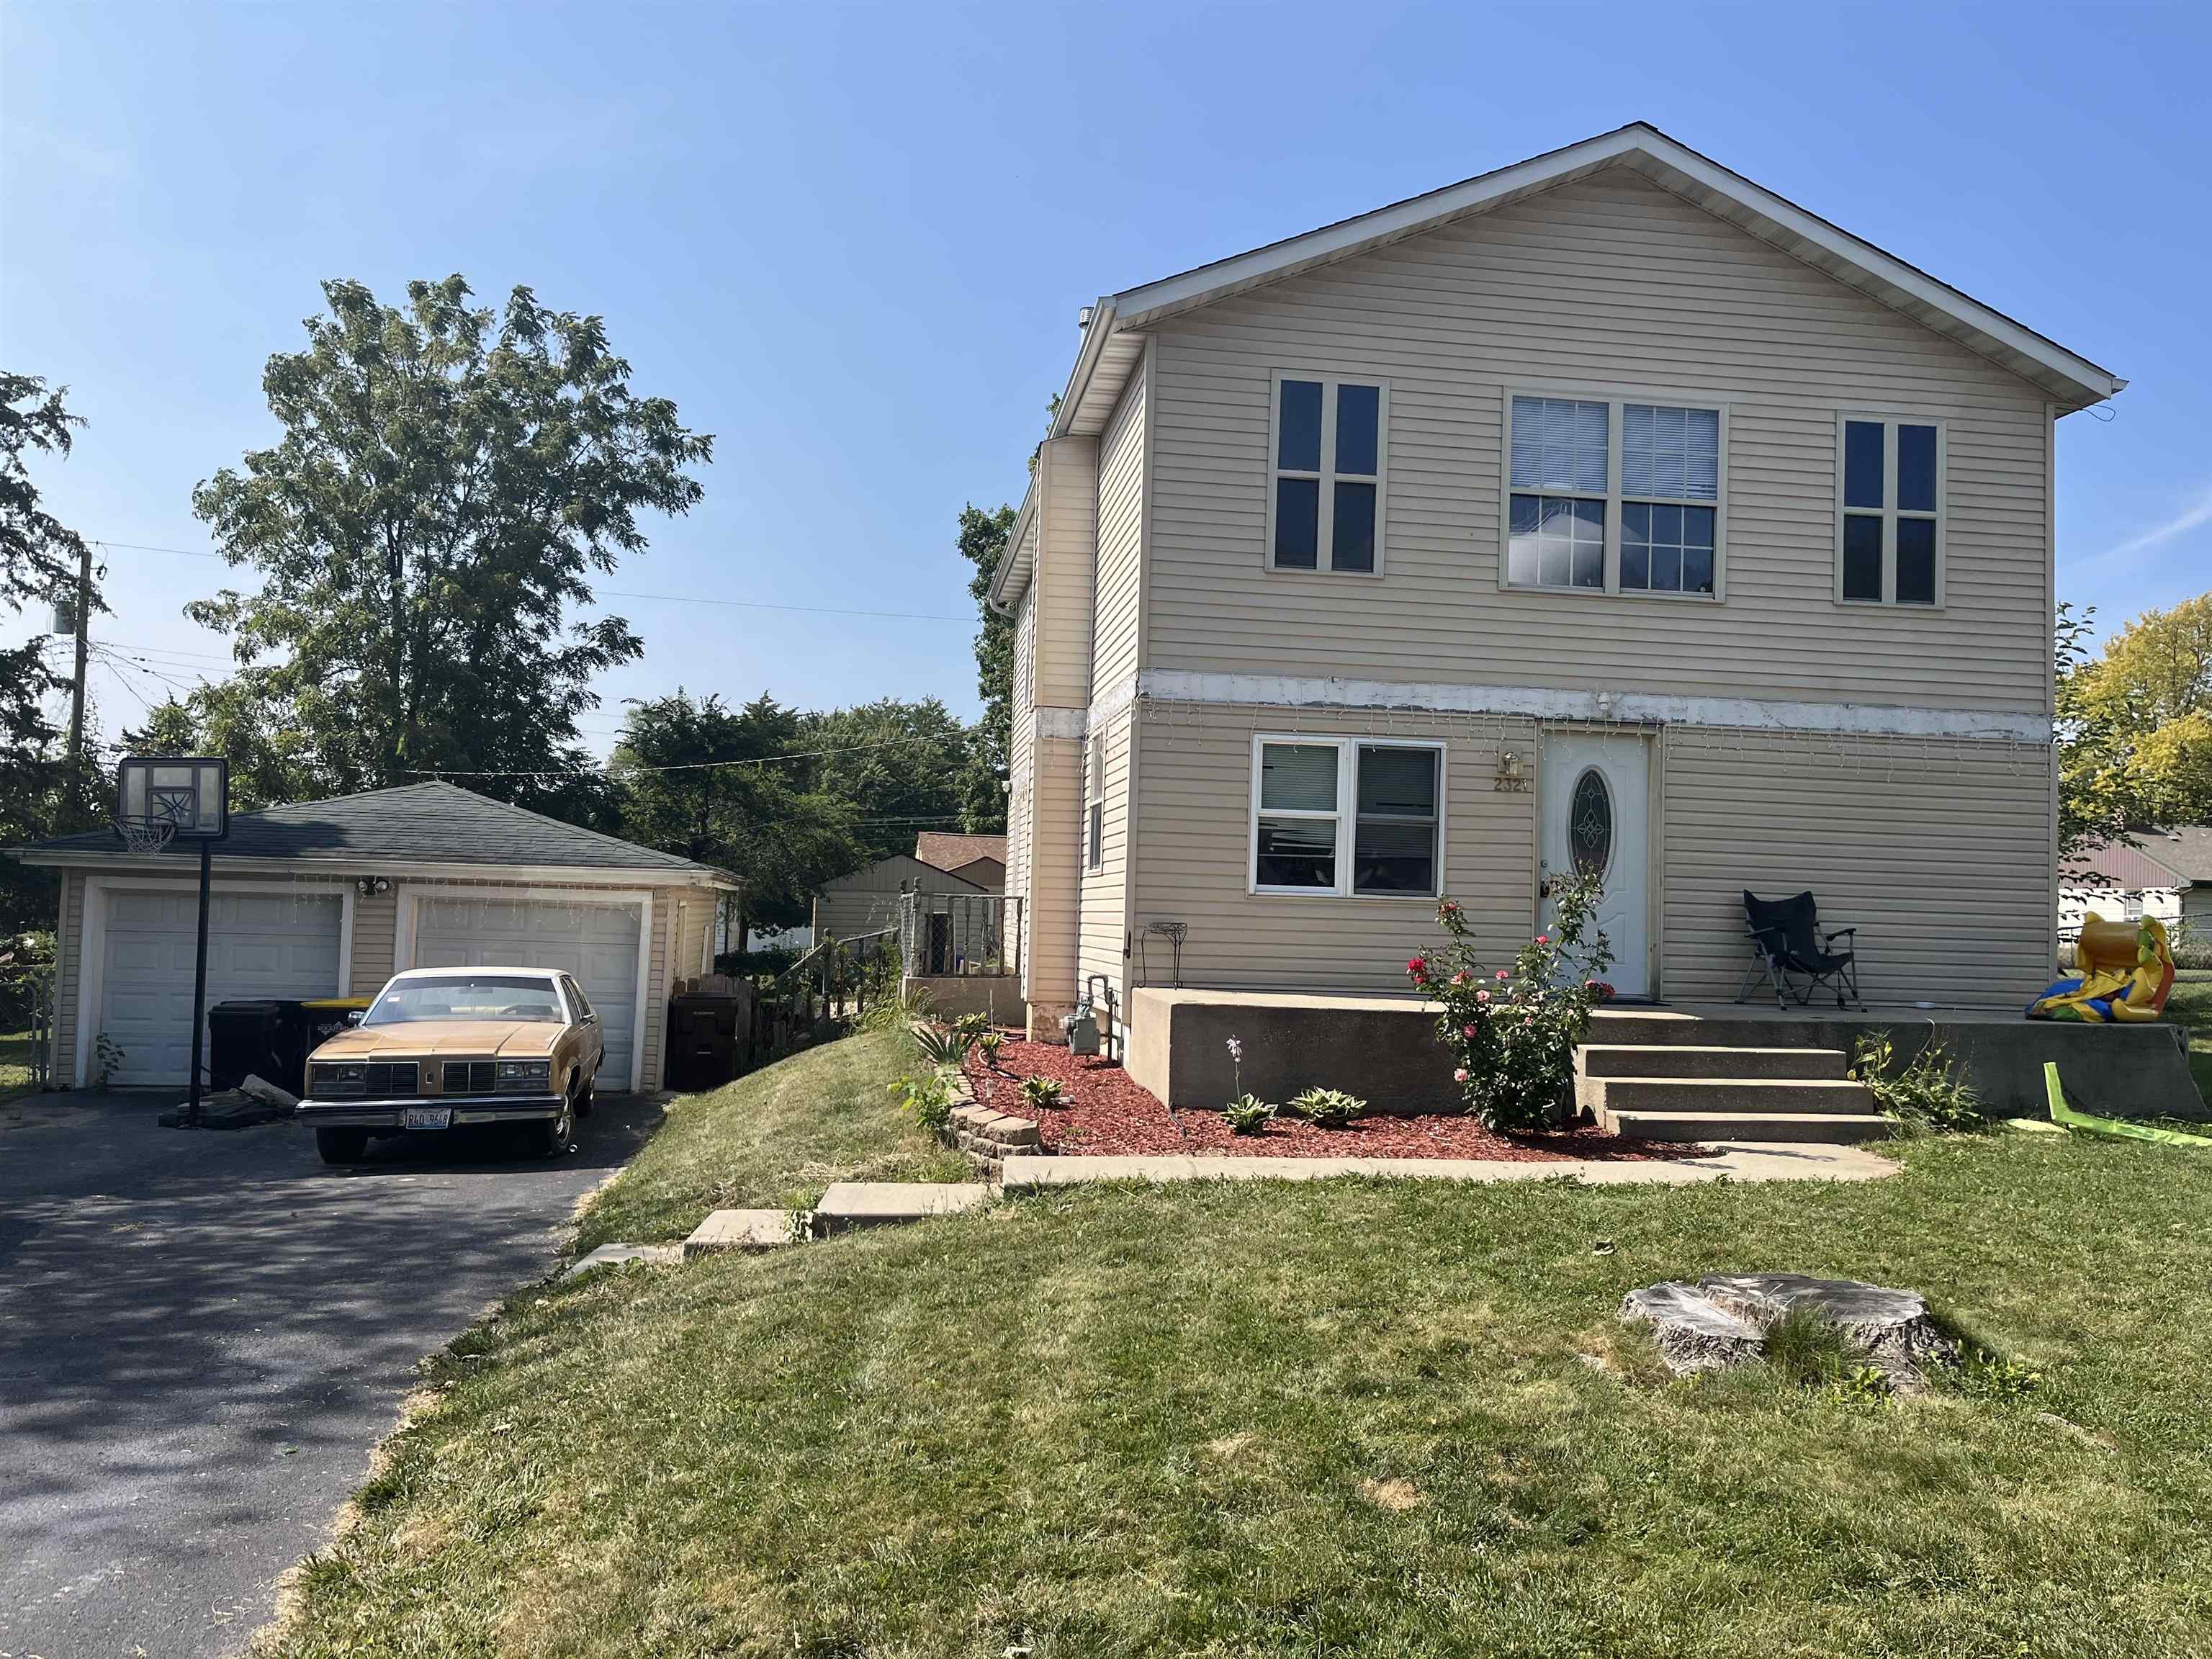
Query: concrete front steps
1646	1080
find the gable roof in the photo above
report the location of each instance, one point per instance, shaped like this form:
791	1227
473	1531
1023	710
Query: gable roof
2178	857
435	823
1112	336
890	873
950	852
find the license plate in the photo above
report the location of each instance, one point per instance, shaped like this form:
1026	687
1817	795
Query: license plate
425	1117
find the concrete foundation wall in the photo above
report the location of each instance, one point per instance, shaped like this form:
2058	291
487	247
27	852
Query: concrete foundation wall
955	994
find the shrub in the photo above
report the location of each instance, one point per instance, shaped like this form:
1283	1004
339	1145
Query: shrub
1247	1114
926	1099
1329	1109
939	1046
1514	1030
1932	1092
1043	1091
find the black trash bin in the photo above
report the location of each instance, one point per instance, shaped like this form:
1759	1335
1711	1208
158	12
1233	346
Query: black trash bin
705	1047
245	1038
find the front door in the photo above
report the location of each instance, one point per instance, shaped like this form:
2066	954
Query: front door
1594	796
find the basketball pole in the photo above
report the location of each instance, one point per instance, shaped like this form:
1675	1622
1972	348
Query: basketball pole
199	988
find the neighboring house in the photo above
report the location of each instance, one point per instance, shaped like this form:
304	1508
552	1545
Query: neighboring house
978	858
2167	875
330	897
1605	511
868	900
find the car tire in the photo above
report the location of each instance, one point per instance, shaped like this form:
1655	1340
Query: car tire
342	1145
550	1136
585	1099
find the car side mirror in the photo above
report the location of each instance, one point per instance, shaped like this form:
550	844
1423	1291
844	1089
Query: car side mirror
354	1016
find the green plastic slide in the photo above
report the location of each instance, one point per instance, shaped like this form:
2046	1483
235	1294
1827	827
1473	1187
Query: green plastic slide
2063	1114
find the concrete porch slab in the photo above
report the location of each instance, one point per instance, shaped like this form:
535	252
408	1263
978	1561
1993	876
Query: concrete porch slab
852	1203
1734	1161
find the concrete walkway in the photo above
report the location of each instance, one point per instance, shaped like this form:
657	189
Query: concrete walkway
1738	1161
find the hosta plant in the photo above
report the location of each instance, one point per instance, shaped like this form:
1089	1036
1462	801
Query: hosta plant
1247	1114
1329	1109
1513	1030
1043	1091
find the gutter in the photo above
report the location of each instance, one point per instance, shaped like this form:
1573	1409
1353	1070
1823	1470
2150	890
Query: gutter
1103	317
368	864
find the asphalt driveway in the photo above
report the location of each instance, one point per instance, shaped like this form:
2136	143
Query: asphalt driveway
203	1333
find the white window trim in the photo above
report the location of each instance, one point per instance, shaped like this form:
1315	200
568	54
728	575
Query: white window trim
1347	814
1326	527
1890	421
1615	397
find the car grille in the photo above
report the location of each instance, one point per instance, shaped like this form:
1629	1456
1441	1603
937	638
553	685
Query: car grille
381	1079
471	1077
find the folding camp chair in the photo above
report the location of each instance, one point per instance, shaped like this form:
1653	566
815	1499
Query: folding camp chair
1787	940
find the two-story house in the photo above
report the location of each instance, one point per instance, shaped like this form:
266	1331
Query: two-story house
1608	511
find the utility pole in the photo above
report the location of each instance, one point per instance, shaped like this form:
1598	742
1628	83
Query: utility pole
84	642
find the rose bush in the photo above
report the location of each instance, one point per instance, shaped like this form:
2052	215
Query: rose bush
1514	1030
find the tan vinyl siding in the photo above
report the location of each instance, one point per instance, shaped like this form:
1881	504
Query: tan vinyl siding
1939	853
1105	890
657	978
1193	778
1610	283
868	900
1067	547
1120	540
1055	858
375	930
1021	755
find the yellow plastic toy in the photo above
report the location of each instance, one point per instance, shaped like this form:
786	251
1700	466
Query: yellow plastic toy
2127	972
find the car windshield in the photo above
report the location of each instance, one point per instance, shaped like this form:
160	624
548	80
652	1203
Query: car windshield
467	996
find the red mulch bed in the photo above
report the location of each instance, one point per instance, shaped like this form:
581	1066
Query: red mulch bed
1104	1114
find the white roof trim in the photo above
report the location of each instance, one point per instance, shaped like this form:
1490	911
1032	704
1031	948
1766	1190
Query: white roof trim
2072	378
1013	571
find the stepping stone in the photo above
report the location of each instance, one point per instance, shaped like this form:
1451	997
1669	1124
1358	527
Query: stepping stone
881	1203
742	1230
614	1256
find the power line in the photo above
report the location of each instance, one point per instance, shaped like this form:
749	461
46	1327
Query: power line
629	593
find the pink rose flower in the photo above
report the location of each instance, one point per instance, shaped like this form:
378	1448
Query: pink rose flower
1467	1031
1503	975
1460	1075
1543	938
1482	996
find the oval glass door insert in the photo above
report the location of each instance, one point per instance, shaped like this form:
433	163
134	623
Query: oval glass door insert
1589	824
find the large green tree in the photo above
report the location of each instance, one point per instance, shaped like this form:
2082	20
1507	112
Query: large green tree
38	562
696	777
901	766
447	484
2135	725
982	543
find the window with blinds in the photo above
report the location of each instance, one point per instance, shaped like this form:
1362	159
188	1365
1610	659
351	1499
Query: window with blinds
1613	495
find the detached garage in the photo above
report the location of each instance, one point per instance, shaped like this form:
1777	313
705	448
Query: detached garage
330	898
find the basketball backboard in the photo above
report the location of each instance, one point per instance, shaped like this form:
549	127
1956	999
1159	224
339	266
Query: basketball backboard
164	798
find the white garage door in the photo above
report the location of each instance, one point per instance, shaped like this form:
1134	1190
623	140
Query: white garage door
597	942
278	944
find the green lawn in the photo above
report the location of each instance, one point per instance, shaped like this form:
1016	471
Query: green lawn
1347	1418
776	1137
14	1063
2189	1005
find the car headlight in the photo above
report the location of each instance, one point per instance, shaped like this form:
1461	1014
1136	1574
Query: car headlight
520	1076
340	1077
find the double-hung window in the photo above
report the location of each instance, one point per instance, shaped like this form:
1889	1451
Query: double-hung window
1095	817
1345	816
1331	443
1889	511
1614	495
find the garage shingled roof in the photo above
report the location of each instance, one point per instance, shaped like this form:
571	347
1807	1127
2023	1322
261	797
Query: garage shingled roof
416	822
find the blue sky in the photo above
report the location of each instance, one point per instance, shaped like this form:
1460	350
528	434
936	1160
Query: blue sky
851	241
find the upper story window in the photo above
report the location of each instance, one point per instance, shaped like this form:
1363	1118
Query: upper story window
1613	495
1330	445
1889	511
1341	816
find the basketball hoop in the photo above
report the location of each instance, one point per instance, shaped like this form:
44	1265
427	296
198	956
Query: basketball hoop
143	835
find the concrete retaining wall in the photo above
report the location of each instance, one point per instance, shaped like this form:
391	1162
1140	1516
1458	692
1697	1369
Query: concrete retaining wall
1384	1049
